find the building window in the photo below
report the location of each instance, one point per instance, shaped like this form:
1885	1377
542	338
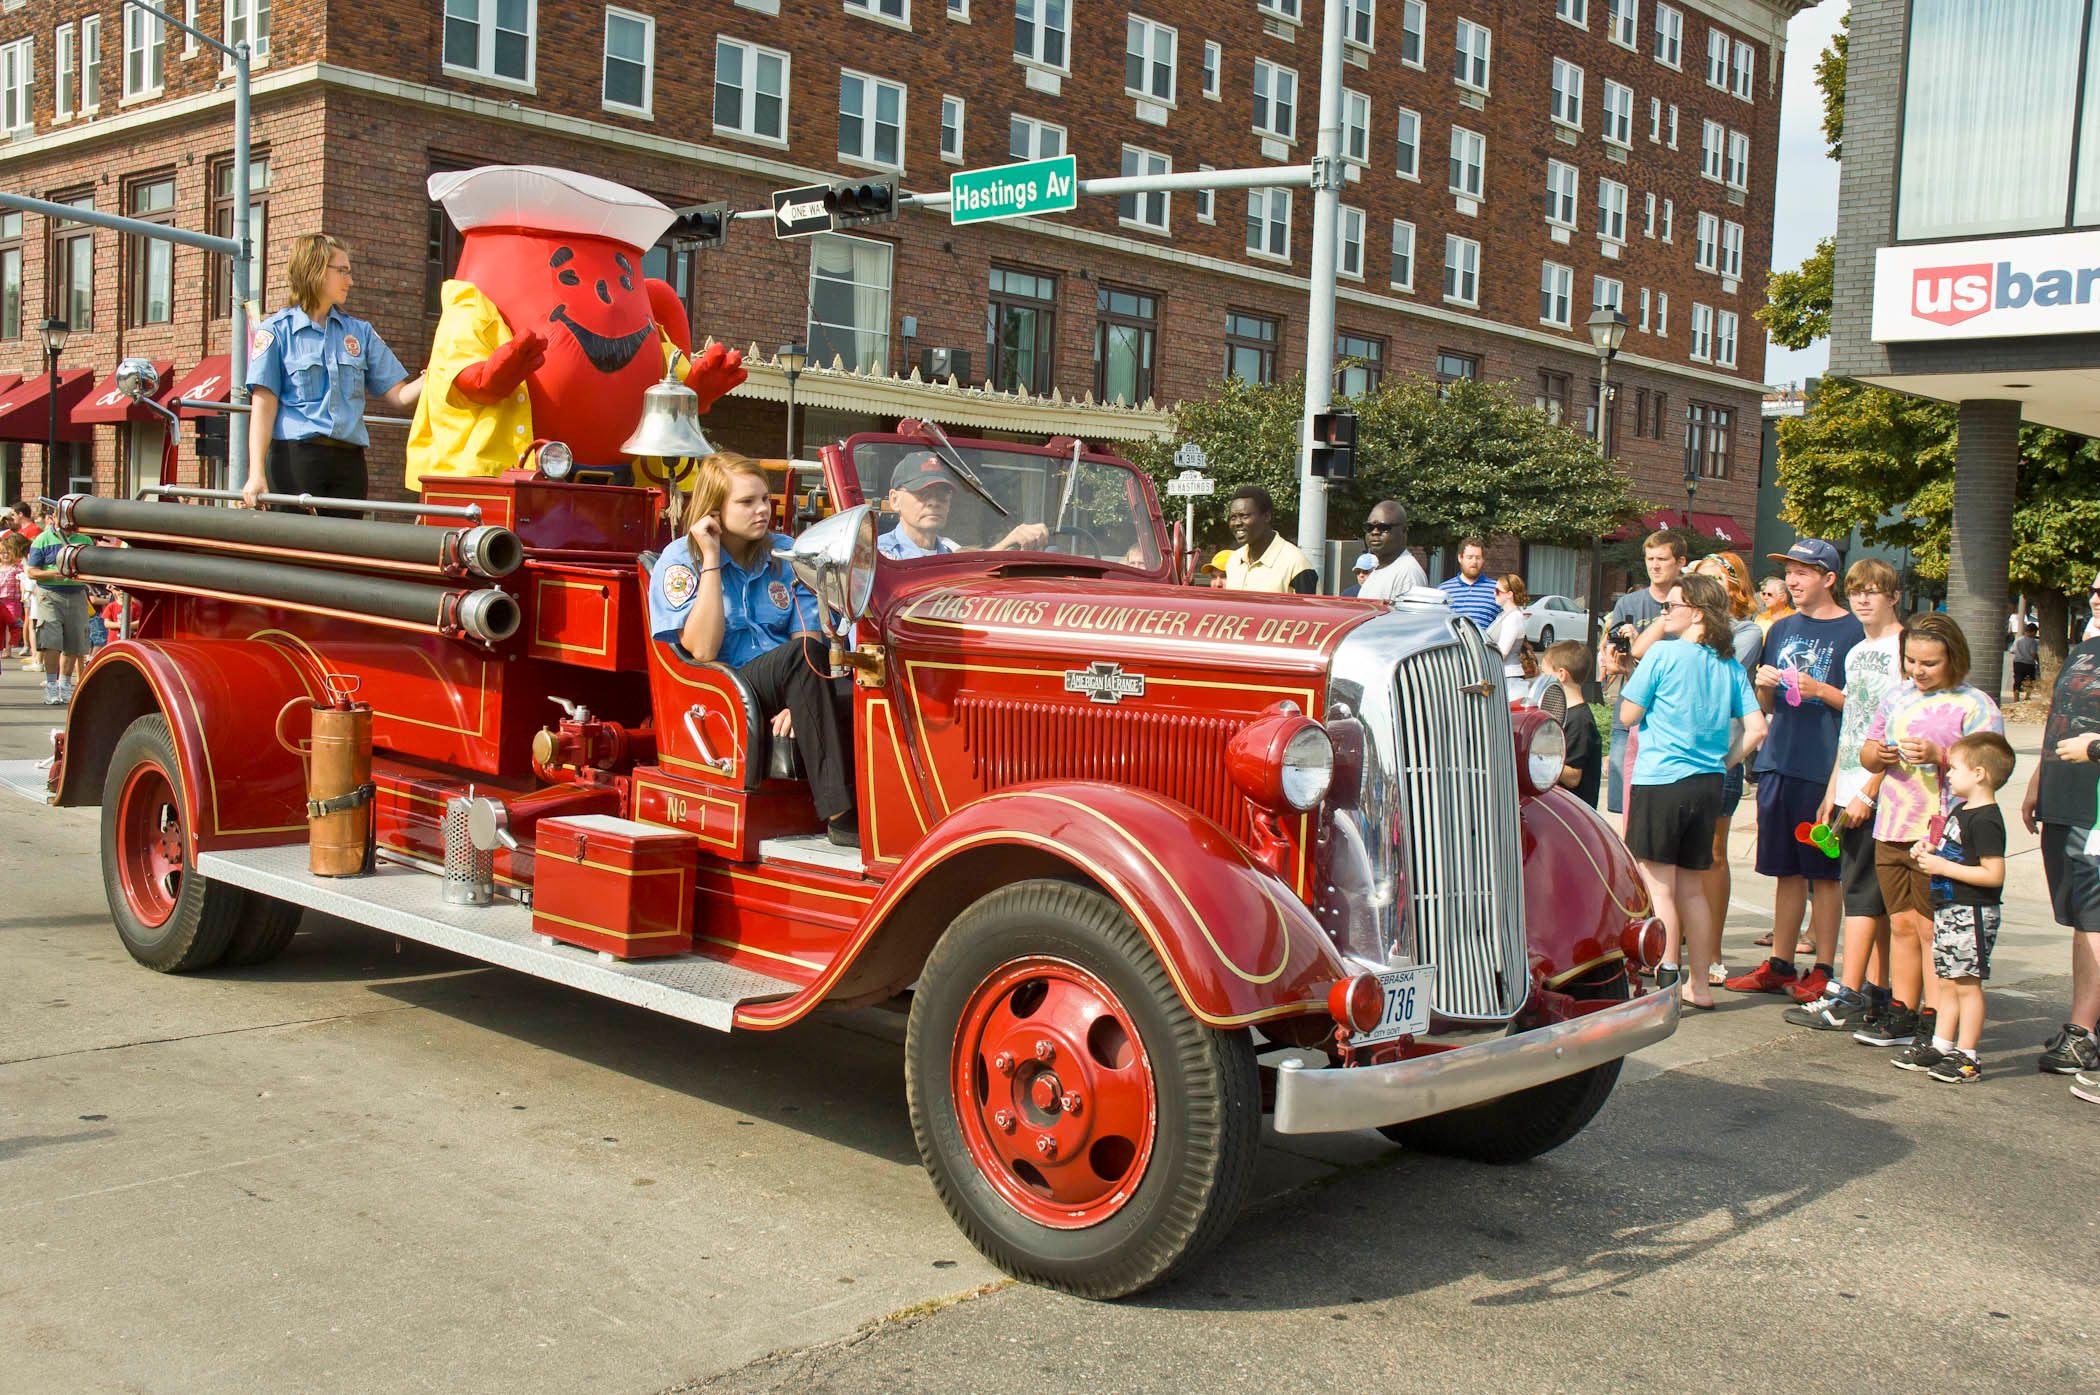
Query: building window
1724	338
1611	210
1655	120
1206	200
1737	174
222	226
1713	145
1562	181
90	64
871	120
1349	243
1126	342
1742	71
1669	36
73	259
152	260
673	266
1356	127
630	60
1732	251
246	21
1021	323
1468	162
1567	93
1213	69
1407	153
1269	223
1662	314
1556	289
1648	217
10	276
1475	47
1414	20
1282	9
1403	275
17	91
1706	429
1717	59
1661	401
1671	139
750	90
1461	270
1641	321
1250	347
1576	12
1452	365
959	9
1706	246
1360	22
1702	349
1148	60
896	11
1607	293
1552	396
145	53
849	302
1041	29
62	88
1275	100
1622	21
487	38
1030	139
1360	364
1669	220
1147	210
1618	113
952	129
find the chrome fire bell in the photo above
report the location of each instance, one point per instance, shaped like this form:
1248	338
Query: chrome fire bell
670	425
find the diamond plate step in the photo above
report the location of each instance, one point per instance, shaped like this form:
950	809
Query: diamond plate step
403	901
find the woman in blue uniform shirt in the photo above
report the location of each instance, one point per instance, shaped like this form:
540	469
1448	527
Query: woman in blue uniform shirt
310	368
718	594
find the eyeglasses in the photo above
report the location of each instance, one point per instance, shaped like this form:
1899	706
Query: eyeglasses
1867	591
1679	605
343	270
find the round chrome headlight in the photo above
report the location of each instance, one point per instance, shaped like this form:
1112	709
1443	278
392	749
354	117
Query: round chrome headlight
556	460
1542	752
1308	766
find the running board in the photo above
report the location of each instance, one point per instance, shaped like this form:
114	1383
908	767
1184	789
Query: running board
405	902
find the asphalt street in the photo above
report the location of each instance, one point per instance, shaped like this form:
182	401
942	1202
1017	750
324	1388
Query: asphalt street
369	1166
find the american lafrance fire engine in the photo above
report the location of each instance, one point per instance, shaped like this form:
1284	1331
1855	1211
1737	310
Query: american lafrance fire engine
1151	861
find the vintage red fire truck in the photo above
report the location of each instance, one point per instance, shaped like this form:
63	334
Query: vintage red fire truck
1151	860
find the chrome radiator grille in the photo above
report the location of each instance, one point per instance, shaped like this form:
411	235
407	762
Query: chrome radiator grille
1457	770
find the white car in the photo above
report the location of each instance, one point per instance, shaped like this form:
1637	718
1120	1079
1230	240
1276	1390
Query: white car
1554	617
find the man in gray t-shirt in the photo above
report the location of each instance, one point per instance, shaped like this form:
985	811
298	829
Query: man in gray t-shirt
1663	553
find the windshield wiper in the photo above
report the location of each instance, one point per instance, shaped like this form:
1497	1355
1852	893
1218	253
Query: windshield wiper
1064	499
963	471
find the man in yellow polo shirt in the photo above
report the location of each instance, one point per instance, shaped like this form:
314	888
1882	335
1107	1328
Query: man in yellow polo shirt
1263	561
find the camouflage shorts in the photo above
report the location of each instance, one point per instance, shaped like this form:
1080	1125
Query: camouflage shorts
1962	940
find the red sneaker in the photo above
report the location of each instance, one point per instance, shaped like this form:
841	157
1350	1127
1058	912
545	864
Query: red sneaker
1765	978
1810	986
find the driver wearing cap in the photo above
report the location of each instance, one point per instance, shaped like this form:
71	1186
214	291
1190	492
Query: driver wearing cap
922	489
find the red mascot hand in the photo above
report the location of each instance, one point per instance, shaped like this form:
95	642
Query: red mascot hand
497	376
714	373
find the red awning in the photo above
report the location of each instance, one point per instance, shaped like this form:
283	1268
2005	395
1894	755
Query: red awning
210	381
107	405
1714	525
1720	525
24	415
8	379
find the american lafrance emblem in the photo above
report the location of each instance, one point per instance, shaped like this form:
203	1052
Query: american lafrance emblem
1104	682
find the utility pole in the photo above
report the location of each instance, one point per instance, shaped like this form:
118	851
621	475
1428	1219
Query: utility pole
1319	319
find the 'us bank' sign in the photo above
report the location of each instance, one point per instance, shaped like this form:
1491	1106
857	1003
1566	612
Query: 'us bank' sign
1994	289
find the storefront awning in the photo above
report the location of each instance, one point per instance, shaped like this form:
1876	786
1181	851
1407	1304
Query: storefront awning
25	413
1713	525
1720	525
210	381
106	404
8	379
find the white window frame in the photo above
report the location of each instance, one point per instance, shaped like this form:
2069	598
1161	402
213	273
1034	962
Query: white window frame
1611	211
241	28
1556	295
1406	119
952	152
1206	200
1717	50
1038	22
145	36
1662	314
1736	168
748	130
1563	189
483	69
1150	163
1349	243
1669	36
1669	220
1702	345
1713	150
1726	326
1672	141
1607	293
1575	12
1742	72
870	86
1732	251
1267	100
1360	24
1414	33
1266	202
1648	217
1618	114
1655	120
648	23
1477	163
1706	244
874	10
63	62
1642	322
1474	46
90	58
18	85
1622	23
1403	231
1461	270
1036	129
1213	70
1148	33
889	292
959	11
1356	127
1564	102
1286	10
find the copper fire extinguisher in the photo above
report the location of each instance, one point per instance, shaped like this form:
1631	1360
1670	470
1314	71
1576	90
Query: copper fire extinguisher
339	791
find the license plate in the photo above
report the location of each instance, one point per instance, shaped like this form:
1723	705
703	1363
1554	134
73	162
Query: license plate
1406	1004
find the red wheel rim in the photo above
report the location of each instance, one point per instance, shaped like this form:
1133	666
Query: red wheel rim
1054	1093
150	846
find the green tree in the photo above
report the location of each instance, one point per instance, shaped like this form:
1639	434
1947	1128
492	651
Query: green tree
1830	76
1797	308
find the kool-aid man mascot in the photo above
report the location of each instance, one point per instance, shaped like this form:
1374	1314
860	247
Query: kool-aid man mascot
549	329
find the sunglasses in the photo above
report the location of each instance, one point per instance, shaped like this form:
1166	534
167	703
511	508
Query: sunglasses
1378	527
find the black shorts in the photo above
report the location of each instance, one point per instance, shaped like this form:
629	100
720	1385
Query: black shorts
1674	824
2074	876
1856	875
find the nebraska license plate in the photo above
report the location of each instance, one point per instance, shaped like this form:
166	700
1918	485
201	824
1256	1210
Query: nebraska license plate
1406	1004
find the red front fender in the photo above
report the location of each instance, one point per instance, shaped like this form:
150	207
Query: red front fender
1580	888
1238	945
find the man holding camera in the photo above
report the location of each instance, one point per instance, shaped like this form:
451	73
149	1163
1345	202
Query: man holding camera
1663	552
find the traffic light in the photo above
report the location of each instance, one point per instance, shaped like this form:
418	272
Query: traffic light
702	226
853	202
1334	445
211	437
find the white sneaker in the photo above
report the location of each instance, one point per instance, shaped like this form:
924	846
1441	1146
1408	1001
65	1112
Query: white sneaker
52	698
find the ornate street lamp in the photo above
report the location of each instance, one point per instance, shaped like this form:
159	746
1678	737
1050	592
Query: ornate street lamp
54	332
1607	329
792	358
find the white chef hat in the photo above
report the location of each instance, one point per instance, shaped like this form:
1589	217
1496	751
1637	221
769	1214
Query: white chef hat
546	199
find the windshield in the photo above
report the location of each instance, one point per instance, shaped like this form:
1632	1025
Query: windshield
1098	510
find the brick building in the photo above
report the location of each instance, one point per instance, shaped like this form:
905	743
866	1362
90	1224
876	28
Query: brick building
1512	162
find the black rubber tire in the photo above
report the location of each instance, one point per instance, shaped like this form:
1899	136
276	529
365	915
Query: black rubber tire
1545	635
266	927
1517	1128
196	932
1205	1083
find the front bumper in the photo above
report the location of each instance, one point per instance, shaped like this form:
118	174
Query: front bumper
1337	1099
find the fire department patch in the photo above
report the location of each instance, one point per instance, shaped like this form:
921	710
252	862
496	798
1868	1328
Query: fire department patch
679	583
259	341
777	593
352	346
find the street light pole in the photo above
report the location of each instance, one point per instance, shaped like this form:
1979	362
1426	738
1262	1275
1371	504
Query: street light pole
791	358
54	333
1607	329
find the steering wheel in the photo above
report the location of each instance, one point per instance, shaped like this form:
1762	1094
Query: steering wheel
1085	535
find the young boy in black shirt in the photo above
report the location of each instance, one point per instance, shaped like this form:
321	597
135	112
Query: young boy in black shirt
1568	663
1968	873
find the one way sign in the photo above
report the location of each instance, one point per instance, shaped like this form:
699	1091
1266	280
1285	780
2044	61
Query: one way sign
800	212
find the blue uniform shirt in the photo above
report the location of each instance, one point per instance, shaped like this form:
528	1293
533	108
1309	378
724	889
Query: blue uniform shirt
321	373
897	544
1473	599
761	609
